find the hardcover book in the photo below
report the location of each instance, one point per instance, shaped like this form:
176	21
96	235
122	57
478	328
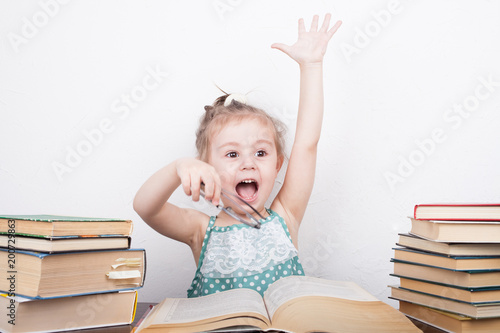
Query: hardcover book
468	279
448	321
478	211
457	231
55	225
447	248
42	275
477	311
469	295
63	243
457	263
21	315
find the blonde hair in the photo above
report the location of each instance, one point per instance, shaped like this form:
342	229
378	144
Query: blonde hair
217	116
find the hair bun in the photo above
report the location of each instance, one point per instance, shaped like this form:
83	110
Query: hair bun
235	97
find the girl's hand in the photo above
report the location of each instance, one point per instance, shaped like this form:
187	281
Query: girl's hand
192	172
311	45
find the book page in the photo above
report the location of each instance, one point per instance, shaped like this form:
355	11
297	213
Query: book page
185	310
292	287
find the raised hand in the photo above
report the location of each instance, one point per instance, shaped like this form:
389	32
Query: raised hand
311	45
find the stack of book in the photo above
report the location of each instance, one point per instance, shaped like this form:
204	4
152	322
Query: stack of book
449	268
66	273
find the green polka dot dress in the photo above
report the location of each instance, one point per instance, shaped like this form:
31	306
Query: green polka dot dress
240	256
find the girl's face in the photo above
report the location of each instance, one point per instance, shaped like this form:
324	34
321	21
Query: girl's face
244	154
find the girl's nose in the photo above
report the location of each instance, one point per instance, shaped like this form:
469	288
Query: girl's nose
248	163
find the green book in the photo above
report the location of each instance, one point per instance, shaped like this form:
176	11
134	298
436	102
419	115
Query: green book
55	225
63	243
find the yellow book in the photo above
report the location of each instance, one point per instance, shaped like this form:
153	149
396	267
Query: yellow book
67	313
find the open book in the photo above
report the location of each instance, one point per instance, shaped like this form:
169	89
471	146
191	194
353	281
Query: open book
294	304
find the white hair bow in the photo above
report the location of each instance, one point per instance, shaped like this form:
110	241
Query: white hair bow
235	97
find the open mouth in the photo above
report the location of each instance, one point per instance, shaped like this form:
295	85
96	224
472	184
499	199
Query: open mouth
247	189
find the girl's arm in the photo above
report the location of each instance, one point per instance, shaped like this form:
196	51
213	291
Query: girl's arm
308	52
184	225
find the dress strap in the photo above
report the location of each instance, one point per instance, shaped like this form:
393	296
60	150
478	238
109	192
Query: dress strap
208	232
282	221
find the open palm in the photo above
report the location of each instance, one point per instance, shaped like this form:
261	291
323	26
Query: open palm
311	45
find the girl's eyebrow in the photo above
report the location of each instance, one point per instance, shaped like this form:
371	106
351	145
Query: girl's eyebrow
228	144
265	141
238	144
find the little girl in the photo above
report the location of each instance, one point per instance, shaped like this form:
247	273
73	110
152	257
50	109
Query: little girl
241	150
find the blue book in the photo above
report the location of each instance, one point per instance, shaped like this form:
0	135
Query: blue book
47	275
458	263
434	274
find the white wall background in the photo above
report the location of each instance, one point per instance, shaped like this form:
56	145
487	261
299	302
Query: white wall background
412	94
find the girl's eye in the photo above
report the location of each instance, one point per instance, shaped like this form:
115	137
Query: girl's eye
261	153
232	154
